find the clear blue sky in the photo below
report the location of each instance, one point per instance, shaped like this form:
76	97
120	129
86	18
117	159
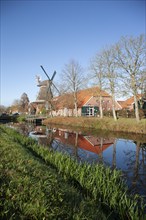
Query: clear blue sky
52	33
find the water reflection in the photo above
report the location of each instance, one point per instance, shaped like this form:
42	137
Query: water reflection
124	154
83	147
135	159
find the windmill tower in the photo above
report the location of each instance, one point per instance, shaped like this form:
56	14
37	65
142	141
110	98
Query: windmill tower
45	94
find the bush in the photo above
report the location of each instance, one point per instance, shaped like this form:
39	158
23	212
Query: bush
21	118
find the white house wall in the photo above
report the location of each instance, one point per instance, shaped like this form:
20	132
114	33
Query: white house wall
66	112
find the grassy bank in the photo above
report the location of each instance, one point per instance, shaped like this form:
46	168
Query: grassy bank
32	189
106	124
37	183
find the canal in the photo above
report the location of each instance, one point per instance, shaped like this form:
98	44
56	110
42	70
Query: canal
118	152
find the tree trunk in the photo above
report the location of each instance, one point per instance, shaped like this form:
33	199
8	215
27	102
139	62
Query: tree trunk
75	103
136	109
113	108
100	107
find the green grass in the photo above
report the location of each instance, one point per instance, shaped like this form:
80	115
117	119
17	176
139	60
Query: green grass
106	124
32	190
37	183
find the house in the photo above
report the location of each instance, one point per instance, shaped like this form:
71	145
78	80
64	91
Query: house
121	104
87	103
129	103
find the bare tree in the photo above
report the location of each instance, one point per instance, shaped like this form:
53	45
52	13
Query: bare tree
130	57
110	74
98	73
2	109
24	102
142	81
142	89
16	106
73	79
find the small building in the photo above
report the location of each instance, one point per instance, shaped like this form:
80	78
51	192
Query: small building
130	105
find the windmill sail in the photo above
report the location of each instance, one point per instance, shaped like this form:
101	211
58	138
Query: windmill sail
45	72
45	92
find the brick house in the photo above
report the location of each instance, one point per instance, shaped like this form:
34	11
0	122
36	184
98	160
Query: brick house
129	103
88	103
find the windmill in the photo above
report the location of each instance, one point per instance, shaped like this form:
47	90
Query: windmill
47	85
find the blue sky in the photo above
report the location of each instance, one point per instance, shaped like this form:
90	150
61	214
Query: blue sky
51	33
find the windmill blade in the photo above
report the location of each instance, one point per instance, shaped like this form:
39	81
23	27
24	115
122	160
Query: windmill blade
56	88
53	75
45	72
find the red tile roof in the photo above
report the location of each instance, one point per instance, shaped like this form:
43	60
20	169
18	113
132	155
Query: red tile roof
83	96
121	103
127	103
86	94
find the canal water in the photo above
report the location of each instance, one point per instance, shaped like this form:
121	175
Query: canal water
117	151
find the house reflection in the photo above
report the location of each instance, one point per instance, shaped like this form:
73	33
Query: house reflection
80	145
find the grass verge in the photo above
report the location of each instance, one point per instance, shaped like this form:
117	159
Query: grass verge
106	124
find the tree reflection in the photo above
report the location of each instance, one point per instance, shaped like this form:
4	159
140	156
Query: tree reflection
137	167
114	155
101	150
76	145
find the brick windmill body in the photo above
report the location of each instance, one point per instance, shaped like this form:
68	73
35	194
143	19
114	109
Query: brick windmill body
45	94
